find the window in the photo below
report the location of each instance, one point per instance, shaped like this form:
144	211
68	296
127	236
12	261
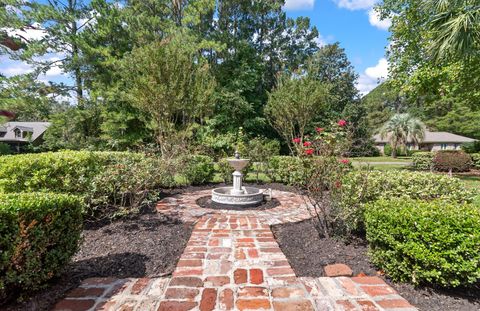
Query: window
444	146
18	133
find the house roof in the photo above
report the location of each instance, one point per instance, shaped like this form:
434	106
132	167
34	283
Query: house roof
37	129
433	137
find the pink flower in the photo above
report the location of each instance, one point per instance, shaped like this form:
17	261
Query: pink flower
319	129
345	161
342	123
307	144
296	140
309	151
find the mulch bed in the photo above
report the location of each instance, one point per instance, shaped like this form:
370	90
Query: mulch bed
308	254
147	245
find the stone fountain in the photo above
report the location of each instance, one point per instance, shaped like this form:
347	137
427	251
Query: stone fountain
238	195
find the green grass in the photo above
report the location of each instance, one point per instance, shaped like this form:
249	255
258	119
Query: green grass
381	159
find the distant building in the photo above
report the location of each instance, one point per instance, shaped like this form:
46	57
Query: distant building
433	141
18	134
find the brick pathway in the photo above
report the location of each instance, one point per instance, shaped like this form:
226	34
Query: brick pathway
232	262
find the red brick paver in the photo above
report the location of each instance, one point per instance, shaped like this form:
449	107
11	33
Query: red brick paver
233	262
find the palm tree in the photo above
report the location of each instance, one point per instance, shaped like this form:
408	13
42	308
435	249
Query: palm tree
455	27
401	129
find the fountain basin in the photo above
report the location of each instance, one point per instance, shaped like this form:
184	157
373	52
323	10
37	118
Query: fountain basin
228	196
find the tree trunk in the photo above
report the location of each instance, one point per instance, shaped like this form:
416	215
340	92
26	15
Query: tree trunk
394	151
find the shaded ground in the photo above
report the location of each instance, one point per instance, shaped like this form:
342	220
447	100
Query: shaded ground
146	245
308	254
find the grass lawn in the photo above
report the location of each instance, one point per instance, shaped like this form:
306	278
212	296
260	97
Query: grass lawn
381	159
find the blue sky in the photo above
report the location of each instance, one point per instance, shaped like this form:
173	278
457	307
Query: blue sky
353	23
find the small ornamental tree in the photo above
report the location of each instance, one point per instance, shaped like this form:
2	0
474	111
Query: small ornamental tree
323	181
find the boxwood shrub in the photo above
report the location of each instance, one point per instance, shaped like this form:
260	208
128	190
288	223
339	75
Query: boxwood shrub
64	172
39	233
454	160
422	161
421	242
359	188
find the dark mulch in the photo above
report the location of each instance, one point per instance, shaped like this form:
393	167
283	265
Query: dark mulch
206	202
147	245
308	254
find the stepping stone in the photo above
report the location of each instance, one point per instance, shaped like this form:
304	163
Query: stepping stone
338	269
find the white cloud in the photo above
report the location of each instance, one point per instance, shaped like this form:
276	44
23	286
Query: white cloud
372	77
374	19
355	4
34	33
299	4
321	41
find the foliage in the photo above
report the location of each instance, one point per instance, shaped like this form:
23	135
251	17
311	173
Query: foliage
476	160
39	233
125	184
197	169
225	170
5	149
63	172
401	151
452	161
259	152
401	129
423	161
435	242
172	82
293	105
359	188
473	147
289	170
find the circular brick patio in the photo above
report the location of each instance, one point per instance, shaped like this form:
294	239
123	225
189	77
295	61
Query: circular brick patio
292	208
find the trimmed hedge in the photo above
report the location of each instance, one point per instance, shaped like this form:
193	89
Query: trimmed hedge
39	233
454	160
425	242
359	188
423	161
63	172
476	160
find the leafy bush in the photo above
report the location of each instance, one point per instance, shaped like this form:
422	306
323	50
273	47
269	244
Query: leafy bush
473	147
422	161
66	171
126	184
39	233
452	160
359	188
401	152
225	170
260	150
476	160
5	149
197	169
425	242
289	170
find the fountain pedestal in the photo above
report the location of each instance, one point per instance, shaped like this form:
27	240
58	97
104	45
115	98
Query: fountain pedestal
237	195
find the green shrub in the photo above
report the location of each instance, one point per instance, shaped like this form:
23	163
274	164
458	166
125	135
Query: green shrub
39	233
422	161
197	169
126	184
452	160
225	170
425	242
401	151
359	188
473	147
476	160
289	170
66	171
5	149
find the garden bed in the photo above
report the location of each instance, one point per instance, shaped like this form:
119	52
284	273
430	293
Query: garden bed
308	254
147	245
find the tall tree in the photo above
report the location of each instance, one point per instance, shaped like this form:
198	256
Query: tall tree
401	129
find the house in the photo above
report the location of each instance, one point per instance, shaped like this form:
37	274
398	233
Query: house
18	134
432	141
